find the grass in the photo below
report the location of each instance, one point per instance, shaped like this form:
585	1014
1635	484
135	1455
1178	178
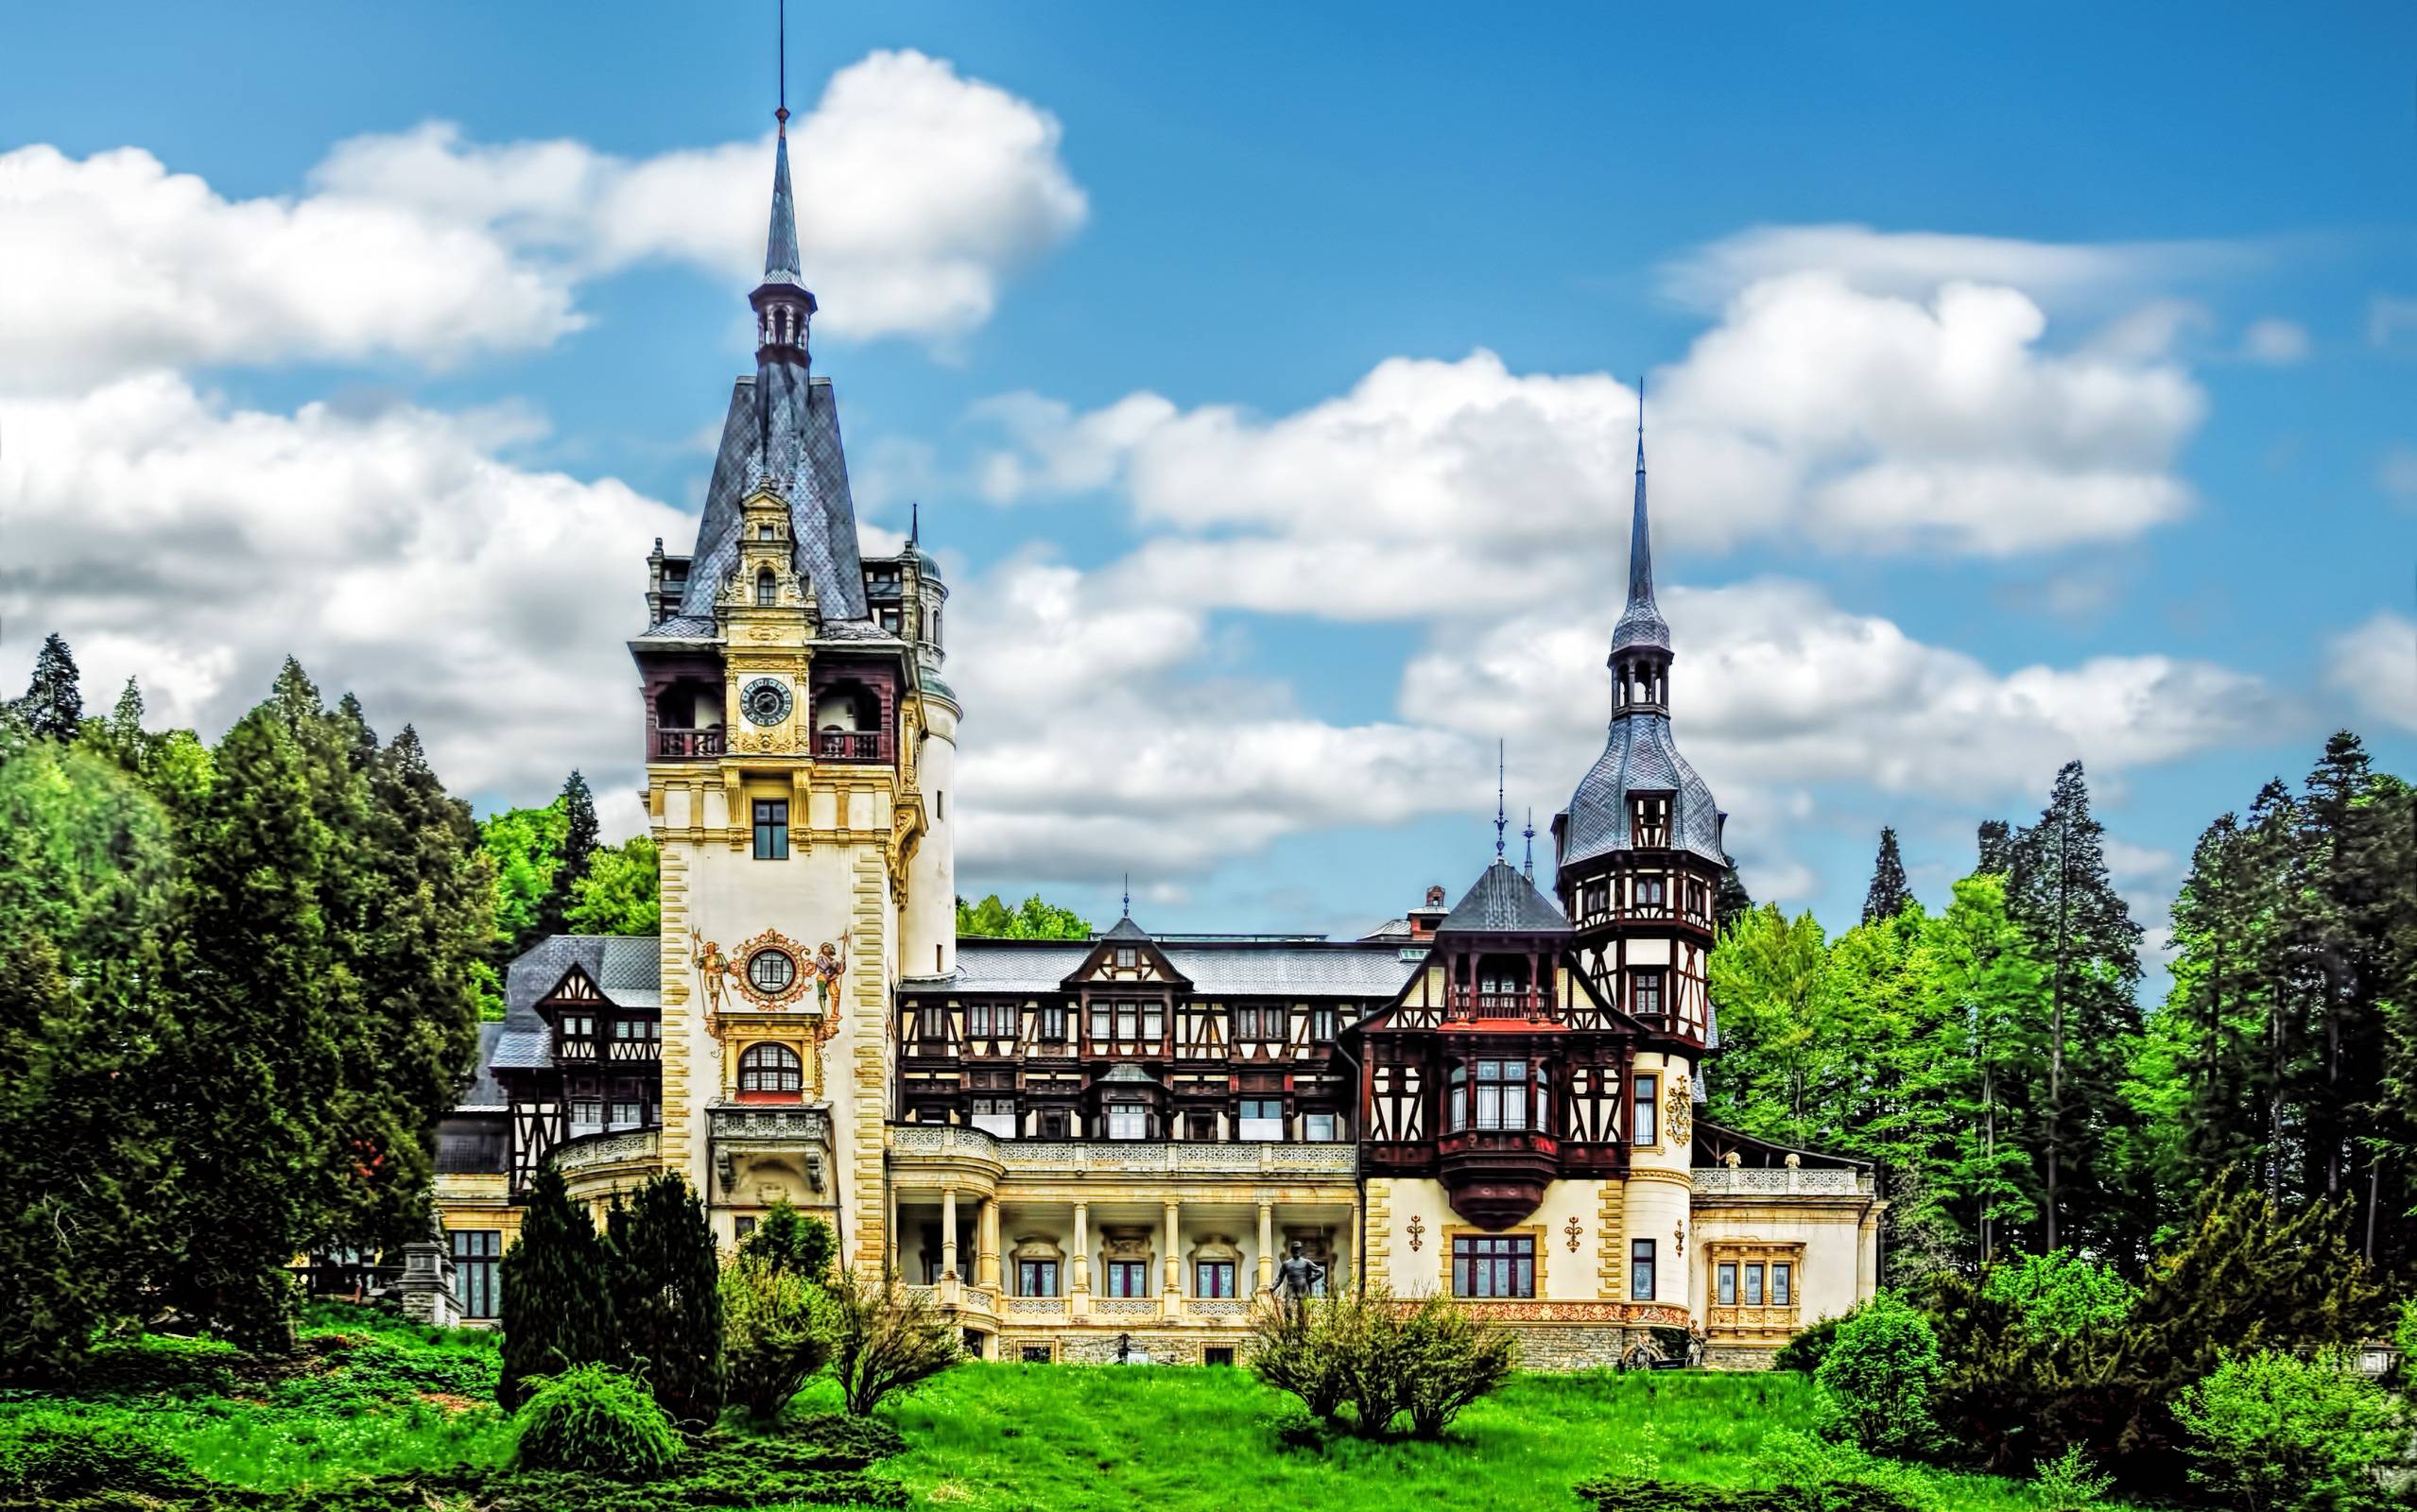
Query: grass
371	1395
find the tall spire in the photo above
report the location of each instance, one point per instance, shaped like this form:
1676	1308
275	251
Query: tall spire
1501	774
1528	868
781	261
1641	622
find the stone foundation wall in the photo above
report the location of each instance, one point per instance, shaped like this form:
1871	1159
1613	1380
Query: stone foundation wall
1569	1345
1739	1356
1101	1348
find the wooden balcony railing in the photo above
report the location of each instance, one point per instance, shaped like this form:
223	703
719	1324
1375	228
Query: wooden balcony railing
687	745
848	746
1525	1003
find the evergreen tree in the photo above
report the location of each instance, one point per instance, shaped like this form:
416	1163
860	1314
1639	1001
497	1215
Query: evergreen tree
1996	847
2083	1132
87	887
1730	899
255	1061
53	707
557	1299
1888	895
1985	989
788	1239
578	846
667	1278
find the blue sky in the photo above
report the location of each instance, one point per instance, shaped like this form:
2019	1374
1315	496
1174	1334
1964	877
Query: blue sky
2039	382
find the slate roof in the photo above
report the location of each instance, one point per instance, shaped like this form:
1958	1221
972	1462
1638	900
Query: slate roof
628	968
781	429
1242	969
1641	622
1503	901
484	1094
1641	756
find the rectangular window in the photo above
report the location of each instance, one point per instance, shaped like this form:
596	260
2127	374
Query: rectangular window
1644	994
1455	1101
742	1226
628	1115
1127	1120
1213	1278
1598	897
1754	1287
1036	1277
1727	1293
1127	1021
1200	1126
1321	1126
933	1030
1643	1126
476	1276
772	828
1053	1026
1651	892
587	1116
1054	1124
1640	1270
1099	1025
1126	957
1129	1278
1493	1265
1036	1354
1217	1354
1262	1118
1153	1025
1321	1026
1782	1290
1502	1094
995	1116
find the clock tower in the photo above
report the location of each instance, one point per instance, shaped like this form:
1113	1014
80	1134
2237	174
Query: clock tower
799	745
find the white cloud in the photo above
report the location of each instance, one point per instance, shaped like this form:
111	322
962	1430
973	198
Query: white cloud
2388	316
2376	665
195	545
919	192
2276	343
1908	265
1846	420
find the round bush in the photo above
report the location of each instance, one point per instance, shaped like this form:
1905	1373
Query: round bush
1876	1377
54	1455
594	1418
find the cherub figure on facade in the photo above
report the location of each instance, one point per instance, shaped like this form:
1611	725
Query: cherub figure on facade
828	967
713	967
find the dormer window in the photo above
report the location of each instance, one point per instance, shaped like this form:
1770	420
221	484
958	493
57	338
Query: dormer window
1648	820
767	592
764	532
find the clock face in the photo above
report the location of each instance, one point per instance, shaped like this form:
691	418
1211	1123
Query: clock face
766	701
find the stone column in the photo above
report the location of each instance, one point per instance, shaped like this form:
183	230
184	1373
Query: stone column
948	1284
986	1271
1267	1243
1078	1286
1174	1257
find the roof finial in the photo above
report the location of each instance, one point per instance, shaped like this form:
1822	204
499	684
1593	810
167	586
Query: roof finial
1501	815
781	115
914	522
1529	869
1128	895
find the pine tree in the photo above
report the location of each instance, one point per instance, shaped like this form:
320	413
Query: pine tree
1888	895
667	1279
578	847
1996	847
2084	937
53	707
1730	899
558	1302
787	1240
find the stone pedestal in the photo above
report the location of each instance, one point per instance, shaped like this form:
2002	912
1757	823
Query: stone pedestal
427	1287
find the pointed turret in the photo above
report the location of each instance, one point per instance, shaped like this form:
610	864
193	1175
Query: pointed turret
1641	624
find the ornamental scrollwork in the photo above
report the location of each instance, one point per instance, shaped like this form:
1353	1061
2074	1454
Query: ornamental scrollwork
1678	1108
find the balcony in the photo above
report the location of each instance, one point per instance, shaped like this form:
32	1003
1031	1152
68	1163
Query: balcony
1527	1002
849	745
688	745
1497	1176
596	1151
1172	1158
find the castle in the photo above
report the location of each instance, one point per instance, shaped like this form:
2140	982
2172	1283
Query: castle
1103	1149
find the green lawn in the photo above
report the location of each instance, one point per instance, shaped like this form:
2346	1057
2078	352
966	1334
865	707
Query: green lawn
370	1397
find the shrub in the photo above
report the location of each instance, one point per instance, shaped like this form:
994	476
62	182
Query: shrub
2274	1430
1628	1493
1294	1349
556	1294
1453	1360
594	1418
887	1340
55	1455
1877	1377
1821	1476
791	1240
2070	1482
2060	1295
777	1329
1802	1352
169	1364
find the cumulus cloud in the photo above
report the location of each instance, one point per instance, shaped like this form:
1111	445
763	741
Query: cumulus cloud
919	192
1813	409
194	544
2375	667
2390	317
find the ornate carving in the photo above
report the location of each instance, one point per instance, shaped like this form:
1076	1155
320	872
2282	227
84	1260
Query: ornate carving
792	984
1576	1231
1417	1230
1678	1108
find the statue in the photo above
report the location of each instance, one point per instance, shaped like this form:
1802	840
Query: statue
1298	1275
712	966
827	967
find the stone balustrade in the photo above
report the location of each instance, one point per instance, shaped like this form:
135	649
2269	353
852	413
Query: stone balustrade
1126	1157
1778	1181
592	1151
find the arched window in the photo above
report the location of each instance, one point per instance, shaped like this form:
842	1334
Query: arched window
769	1068
767	591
